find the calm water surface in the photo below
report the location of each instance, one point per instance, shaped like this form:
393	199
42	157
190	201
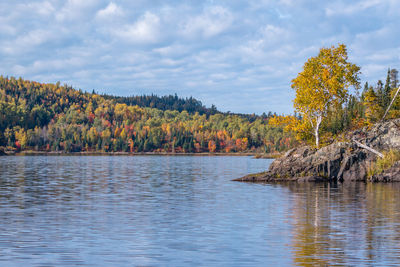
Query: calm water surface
185	211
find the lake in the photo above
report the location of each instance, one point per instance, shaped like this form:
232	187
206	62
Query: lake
186	211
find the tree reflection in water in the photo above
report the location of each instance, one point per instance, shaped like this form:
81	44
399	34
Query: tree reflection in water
345	224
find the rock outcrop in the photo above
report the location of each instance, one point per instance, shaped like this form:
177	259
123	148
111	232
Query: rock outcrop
390	175
340	161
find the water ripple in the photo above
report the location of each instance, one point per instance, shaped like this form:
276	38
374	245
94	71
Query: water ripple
184	210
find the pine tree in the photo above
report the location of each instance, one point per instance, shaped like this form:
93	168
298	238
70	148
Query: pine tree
394	78
386	92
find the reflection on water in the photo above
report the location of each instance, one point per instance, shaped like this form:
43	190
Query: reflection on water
154	210
346	224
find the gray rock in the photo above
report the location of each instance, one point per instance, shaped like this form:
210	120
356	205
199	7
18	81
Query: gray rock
390	175
340	161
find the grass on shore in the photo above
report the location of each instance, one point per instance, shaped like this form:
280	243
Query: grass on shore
268	155
389	158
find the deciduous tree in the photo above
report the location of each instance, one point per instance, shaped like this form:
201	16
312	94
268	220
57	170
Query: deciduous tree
323	84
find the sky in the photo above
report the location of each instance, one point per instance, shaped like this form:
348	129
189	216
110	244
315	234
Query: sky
239	55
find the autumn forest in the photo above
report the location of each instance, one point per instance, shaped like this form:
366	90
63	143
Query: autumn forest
51	117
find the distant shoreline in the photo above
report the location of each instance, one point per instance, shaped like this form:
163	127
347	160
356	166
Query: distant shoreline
94	153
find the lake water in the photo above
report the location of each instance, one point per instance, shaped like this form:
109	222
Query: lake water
186	211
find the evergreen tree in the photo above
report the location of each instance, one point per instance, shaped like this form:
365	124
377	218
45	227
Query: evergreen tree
386	92
394	79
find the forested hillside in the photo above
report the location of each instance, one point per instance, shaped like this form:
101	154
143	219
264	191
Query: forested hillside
51	117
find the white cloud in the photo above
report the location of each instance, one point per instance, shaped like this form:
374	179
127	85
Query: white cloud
110	11
211	22
375	40
46	8
145	30
386	55
42	8
35	37
274	34
75	9
272	44
50	65
6	28
28	41
370	70
173	50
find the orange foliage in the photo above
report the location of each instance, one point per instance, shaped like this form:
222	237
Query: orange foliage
211	146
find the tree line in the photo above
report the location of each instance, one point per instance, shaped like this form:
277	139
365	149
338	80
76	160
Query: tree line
170	102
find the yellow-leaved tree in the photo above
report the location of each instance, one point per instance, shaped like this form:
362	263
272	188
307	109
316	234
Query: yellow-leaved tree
373	111
323	85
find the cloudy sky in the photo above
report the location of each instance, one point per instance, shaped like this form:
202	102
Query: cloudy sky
238	55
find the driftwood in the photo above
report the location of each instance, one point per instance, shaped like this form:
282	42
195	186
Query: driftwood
391	103
368	148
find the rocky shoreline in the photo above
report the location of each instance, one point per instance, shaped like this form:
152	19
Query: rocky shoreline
340	161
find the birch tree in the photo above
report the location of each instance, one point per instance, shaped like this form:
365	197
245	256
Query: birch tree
324	84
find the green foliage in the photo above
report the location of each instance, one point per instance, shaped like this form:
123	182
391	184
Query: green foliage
376	99
170	102
382	164
345	117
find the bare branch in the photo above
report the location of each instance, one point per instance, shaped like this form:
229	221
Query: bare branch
368	148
